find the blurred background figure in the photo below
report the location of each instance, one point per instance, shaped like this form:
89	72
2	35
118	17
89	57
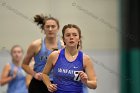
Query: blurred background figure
13	74
40	49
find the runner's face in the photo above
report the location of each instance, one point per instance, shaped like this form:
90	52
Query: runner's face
71	37
51	28
17	54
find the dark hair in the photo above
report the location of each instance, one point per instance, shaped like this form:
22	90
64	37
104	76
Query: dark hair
15	46
79	32
40	20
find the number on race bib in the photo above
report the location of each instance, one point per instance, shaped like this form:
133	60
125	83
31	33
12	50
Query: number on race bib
76	75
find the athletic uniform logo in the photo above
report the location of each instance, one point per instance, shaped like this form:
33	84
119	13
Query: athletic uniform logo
67	71
43	57
75	67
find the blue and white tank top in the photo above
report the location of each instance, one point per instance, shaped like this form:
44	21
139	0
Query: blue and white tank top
41	57
17	85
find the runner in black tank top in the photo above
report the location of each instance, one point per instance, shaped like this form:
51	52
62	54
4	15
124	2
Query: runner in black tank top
40	49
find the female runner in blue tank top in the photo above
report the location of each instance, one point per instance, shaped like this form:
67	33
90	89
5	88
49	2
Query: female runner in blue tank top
40	49
13	74
71	68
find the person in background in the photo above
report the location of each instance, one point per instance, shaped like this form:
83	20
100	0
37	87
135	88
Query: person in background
40	49
13	74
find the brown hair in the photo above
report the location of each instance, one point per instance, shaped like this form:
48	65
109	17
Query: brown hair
79	32
15	46
40	20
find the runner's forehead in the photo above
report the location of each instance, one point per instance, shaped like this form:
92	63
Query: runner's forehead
71	31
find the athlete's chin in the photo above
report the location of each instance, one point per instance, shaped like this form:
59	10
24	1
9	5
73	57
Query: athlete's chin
51	36
72	46
17	60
